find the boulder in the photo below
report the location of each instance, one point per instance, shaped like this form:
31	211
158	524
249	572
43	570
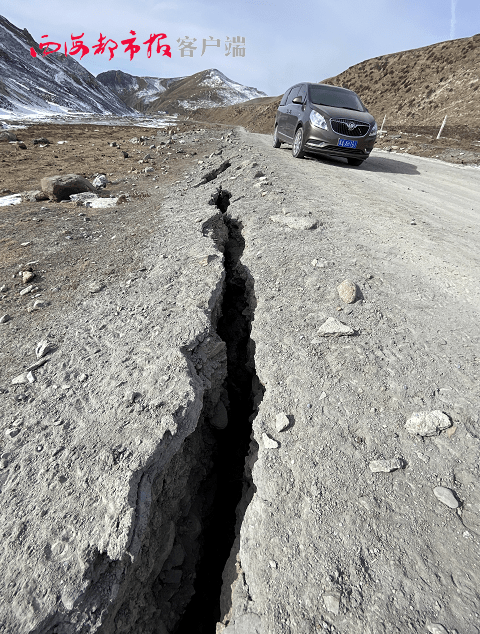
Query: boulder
7	136
62	187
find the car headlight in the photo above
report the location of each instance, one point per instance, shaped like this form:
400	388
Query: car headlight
373	131
317	120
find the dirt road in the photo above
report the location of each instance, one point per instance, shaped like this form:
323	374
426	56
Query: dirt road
122	460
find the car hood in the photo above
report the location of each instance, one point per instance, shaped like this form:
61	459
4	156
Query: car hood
342	113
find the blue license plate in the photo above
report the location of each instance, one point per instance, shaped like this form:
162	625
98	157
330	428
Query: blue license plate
347	143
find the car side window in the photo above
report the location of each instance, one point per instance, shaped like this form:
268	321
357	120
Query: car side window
302	92
293	93
285	96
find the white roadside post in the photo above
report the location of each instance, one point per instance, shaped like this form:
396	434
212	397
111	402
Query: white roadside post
441	127
383	123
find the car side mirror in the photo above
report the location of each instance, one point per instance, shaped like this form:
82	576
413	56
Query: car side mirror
297	100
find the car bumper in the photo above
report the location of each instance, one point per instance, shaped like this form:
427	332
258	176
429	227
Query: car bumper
320	141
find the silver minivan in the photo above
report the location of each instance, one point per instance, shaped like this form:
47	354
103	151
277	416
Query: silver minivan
324	119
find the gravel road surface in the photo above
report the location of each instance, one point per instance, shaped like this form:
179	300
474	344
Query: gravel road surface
360	510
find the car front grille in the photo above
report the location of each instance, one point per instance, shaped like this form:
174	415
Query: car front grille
344	150
341	126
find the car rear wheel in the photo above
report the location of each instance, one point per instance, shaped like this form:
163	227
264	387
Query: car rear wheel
353	161
297	148
276	142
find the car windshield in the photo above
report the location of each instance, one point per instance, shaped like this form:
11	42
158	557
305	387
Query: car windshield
335	97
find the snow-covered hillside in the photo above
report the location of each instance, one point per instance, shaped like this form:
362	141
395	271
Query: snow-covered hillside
47	84
206	89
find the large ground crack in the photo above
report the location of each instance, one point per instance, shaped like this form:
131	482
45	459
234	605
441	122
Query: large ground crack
232	442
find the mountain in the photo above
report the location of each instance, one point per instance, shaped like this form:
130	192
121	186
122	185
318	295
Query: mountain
46	84
206	89
414	88
422	85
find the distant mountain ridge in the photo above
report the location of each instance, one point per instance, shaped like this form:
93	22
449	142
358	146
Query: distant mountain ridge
50	83
206	89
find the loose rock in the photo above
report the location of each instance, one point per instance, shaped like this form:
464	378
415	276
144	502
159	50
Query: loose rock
446	496
18	380
27	290
295	222
385	466
62	187
427	423
43	348
281	422
332	602
4	319
347	291
436	628
27	276
334	328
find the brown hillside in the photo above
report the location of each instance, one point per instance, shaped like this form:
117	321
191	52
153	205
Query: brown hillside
415	89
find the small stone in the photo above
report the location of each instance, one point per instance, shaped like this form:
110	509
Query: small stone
121	199
281	422
39	448
385	466
43	348
4	319
323	395
451	431
12	432
273	564
427	423
82	378
269	443
446	496
347	291
25	244
27	276
332	602
27	290
39	303
18	380
38	364
294	222
314	262
30	377
96	287
334	328
436	628
3	288
148	170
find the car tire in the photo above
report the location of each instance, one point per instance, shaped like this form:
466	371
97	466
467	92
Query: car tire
354	161
297	147
276	142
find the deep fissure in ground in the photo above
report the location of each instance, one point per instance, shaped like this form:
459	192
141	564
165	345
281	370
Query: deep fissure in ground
232	443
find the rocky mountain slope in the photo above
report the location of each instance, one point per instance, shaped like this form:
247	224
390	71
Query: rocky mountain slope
51	83
415	88
206	89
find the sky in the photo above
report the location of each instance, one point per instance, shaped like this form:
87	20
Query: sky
284	42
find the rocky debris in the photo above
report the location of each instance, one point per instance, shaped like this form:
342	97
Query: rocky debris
436	628
147	157
27	276
124	154
62	187
347	291
148	170
82	197
427	423
32	196
21	378
28	289
100	181
295	222
38	364
4	319
96	287
446	496
41	141
121	199
331	601
43	348
269	443
3	288
334	328
385	466
281	421
7	136
39	303
20	145
101	203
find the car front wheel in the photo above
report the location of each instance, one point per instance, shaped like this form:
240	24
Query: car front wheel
353	161
297	148
276	142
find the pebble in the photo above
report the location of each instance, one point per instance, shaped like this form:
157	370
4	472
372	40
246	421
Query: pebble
3	288
436	628
25	244
38	364
332	603
273	564
269	443
427	423
385	466
281	421
347	291
40	303
4	319
96	287
30	377
43	348
334	328
82	378
27	276
446	496
12	432
18	380
29	289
